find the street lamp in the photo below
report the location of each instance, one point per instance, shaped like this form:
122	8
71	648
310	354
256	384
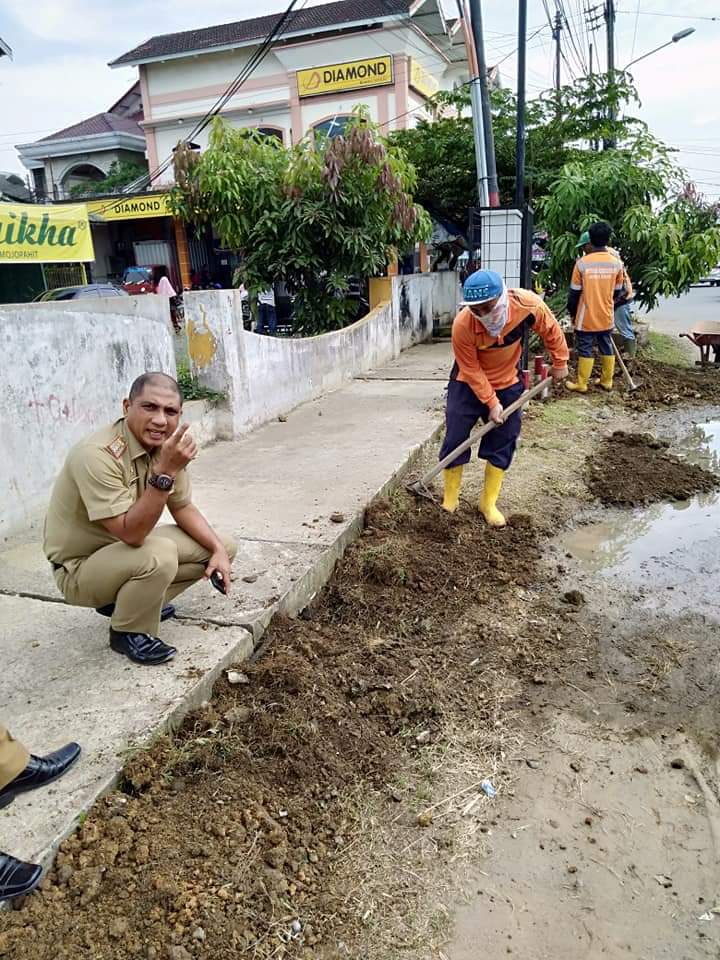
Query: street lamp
676	38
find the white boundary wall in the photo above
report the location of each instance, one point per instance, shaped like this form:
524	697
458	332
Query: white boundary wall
65	374
67	366
263	377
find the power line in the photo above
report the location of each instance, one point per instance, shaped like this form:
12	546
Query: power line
675	16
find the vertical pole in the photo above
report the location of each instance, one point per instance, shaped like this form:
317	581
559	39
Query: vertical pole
556	36
594	145
477	29
610	30
520	133
183	253
476	109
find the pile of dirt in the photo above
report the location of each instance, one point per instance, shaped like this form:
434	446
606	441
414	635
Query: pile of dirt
224	841
632	469
665	384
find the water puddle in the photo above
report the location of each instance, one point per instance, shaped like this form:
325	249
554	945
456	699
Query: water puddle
668	553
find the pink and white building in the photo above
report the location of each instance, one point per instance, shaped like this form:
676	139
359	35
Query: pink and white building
391	55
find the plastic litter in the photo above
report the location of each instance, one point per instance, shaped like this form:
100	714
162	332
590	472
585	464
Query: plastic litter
488	789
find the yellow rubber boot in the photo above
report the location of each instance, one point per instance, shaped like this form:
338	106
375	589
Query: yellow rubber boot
584	372
608	370
488	497
452	478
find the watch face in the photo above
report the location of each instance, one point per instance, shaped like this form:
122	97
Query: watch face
162	481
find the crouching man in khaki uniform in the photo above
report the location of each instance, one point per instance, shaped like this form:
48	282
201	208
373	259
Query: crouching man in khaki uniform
101	532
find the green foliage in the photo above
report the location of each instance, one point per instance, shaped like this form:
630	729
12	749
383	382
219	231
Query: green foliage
560	127
121	173
665	244
313	216
192	390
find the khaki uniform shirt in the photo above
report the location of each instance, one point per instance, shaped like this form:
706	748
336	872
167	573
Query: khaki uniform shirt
103	476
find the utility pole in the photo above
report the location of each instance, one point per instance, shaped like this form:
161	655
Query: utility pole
594	145
557	30
520	132
476	108
610	30
477	30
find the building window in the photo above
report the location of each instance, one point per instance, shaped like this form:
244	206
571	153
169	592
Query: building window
40	183
271	132
334	127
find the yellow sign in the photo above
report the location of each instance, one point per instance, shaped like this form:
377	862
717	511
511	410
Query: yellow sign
422	81
377	72
131	208
44	234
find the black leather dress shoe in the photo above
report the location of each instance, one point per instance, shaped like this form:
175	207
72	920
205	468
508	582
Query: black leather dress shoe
40	771
167	612
16	877
141	647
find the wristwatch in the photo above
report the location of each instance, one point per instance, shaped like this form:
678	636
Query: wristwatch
161	481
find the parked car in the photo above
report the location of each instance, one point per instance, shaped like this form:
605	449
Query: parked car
137	280
712	278
81	293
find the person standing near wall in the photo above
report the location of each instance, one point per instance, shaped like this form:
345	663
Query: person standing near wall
267	313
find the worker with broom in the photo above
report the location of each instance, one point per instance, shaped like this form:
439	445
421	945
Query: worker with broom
487	340
597	286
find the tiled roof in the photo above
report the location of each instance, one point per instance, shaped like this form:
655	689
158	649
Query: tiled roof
242	31
100	123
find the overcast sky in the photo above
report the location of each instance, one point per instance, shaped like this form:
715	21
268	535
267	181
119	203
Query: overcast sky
61	49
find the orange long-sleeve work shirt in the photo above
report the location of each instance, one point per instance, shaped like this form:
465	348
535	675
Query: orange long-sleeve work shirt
488	363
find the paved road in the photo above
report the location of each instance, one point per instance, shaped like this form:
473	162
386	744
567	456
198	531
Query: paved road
677	315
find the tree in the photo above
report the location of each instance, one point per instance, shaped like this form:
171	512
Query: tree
560	126
314	215
121	174
667	235
666	244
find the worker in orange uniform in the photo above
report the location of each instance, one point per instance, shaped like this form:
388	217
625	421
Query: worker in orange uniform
598	284
487	337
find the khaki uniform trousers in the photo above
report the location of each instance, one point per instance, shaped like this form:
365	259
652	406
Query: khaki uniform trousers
13	757
138	580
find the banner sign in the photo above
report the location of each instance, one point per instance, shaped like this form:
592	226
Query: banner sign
423	81
31	233
131	208
376	72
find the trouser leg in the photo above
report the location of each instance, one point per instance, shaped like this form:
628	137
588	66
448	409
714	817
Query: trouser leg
498	446
462	412
13	757
584	343
605	343
192	557
623	322
135	579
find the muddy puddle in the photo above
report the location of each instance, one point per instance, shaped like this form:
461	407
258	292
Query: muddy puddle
666	553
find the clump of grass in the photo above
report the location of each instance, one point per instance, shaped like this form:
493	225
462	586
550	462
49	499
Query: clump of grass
666	349
563	413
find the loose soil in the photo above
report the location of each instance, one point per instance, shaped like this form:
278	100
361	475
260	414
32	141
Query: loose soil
667	384
332	806
225	834
633	469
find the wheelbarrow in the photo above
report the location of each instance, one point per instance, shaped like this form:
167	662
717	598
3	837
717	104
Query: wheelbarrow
706	337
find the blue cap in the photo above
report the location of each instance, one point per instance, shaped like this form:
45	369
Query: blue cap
481	286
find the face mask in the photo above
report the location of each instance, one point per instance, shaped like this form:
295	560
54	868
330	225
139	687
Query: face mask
495	321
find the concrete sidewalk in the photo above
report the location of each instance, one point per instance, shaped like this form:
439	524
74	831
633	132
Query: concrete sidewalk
293	493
